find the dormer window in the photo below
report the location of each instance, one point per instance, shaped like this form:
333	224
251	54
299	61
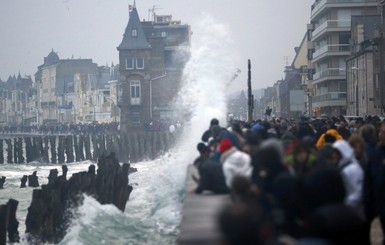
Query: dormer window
134	33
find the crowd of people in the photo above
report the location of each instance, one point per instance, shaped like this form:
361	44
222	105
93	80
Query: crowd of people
63	128
89	128
308	182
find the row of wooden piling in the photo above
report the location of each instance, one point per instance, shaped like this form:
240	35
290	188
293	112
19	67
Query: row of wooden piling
49	214
130	147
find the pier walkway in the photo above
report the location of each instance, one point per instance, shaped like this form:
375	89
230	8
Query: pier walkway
199	222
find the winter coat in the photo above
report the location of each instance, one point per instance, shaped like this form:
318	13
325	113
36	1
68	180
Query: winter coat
235	163
293	165
321	140
352	174
375	184
211	178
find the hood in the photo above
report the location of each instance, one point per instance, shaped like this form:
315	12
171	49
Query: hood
273	144
334	133
346	151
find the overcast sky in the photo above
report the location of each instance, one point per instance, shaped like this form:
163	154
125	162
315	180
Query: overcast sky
263	30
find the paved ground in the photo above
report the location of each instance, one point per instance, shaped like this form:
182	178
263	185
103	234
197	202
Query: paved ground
376	233
199	215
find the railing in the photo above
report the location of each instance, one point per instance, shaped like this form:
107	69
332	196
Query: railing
330	72
330	96
135	101
316	7
332	24
331	48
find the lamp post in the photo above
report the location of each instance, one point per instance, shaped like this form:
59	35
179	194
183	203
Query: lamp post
93	105
151	80
113	105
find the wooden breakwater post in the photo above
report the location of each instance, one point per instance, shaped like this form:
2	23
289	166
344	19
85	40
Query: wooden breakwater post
8	222
2	181
1	152
50	211
129	147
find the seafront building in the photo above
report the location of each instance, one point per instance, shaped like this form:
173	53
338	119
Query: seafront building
15	96
329	46
55	80
363	76
152	56
74	91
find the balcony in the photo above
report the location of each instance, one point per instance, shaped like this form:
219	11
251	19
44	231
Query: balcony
337	49
332	25
323	4
330	99
329	74
135	101
318	6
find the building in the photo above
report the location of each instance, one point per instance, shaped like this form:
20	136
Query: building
91	99
328	49
55	79
152	56
237	107
16	95
363	67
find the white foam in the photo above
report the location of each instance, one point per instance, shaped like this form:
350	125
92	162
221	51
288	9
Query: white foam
153	212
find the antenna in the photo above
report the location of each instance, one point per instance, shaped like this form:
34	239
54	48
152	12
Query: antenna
151	12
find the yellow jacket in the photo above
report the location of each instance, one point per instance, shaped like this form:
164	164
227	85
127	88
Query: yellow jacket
321	141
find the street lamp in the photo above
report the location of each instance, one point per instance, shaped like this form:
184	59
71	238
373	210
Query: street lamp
152	79
113	106
93	105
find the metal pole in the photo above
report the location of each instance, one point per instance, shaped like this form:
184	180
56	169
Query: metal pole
249	94
152	79
113	107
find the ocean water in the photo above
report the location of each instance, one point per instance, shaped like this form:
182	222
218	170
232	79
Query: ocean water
153	212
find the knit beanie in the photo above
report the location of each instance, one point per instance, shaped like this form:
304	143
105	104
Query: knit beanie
225	145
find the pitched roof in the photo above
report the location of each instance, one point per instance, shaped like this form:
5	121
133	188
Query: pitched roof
134	42
51	59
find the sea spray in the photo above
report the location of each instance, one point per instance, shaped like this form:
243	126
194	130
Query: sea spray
153	213
206	76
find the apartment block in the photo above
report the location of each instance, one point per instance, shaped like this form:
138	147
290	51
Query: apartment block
329	36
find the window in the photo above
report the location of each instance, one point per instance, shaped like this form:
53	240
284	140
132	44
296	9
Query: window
163	34
134	63
129	63
135	92
139	63
135	117
134	33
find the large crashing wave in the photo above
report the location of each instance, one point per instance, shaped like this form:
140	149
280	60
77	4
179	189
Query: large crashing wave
153	212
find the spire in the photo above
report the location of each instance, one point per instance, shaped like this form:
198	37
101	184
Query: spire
134	4
134	36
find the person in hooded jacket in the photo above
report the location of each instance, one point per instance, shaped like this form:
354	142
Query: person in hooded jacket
208	133
234	162
352	173
211	176
268	163
375	182
321	141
